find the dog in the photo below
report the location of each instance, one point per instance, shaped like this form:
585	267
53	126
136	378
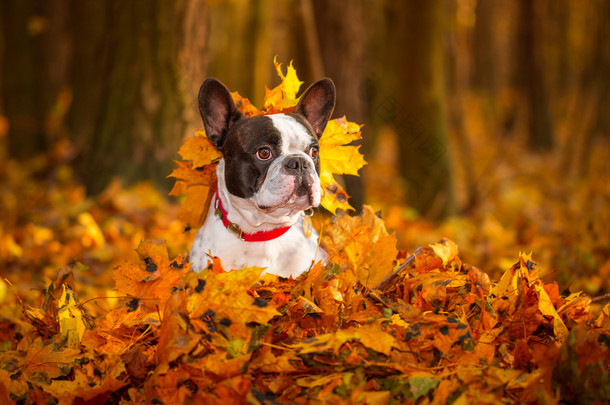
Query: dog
268	181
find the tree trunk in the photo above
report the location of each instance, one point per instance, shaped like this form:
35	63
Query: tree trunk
21	81
129	87
341	33
124	67
530	78
414	104
484	63
596	85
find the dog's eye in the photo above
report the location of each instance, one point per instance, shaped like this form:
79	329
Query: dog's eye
263	154
313	152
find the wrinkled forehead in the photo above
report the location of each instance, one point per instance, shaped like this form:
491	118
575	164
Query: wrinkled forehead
295	132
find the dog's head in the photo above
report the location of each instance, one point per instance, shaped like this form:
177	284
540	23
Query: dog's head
271	160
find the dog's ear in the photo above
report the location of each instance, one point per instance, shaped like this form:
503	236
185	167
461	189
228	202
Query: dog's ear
218	111
317	104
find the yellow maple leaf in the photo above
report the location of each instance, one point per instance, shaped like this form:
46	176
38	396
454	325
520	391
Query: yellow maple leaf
71	324
334	197
284	96
446	249
370	335
199	150
510	285
336	157
339	132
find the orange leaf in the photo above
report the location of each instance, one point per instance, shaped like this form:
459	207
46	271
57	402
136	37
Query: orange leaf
154	277
244	105
47	360
199	150
224	297
446	250
363	243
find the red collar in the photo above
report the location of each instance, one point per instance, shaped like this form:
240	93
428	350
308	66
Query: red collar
234	228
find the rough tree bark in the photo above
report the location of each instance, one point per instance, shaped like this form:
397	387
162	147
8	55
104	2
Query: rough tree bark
123	65
131	87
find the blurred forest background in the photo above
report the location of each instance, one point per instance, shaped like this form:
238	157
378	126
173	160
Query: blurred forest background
484	120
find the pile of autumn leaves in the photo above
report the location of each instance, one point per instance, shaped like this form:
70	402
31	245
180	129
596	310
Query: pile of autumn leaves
433	330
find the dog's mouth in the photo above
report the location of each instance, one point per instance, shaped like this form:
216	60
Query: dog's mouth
296	202
305	194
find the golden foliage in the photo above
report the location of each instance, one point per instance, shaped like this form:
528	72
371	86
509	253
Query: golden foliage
437	331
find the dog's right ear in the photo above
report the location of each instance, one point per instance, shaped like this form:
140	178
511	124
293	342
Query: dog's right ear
218	111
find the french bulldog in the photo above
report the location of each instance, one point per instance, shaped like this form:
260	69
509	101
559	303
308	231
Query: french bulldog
268	181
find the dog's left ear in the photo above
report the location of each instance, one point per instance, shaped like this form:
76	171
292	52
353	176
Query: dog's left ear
317	104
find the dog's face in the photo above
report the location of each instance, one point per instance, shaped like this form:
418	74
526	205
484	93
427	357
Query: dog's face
270	160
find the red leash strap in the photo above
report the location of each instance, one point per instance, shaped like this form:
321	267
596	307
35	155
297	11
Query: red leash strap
247	237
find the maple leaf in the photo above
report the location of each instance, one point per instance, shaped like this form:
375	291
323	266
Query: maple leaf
44	361
362	244
446	249
174	340
199	150
223	301
245	106
154	277
284	96
334	197
195	177
87	387
547	308
369	335
509	284
71	324
336	157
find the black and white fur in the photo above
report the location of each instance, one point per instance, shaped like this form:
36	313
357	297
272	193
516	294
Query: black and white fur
268	176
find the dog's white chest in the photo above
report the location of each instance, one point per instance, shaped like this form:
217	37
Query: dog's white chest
288	255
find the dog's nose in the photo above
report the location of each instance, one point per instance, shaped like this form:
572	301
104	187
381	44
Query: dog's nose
296	164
